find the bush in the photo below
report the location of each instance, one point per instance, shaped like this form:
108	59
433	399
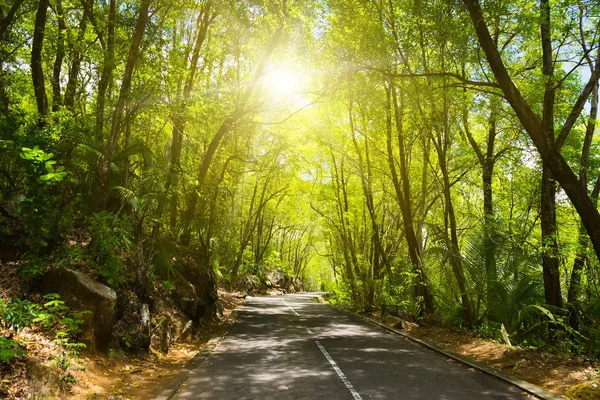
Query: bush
9	349
53	316
16	314
110	237
38	207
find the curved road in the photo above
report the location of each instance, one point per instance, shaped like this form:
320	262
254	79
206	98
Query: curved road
291	347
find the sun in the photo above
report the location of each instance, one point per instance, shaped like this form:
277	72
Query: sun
281	82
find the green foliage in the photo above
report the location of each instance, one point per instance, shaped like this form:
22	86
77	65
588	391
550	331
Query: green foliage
301	182
65	323
513	297
341	298
169	286
490	330
543	326
9	349
41	166
37	206
110	239
33	267
53	316
16	314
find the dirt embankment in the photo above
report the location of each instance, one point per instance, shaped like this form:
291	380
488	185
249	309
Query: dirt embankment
95	375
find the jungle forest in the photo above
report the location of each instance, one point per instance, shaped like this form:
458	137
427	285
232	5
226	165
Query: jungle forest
441	157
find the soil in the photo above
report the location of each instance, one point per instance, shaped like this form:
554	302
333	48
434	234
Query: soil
554	372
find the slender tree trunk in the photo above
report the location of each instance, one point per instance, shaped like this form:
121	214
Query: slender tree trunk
6	22
107	71
226	127
442	143
57	100
205	18
37	70
582	259
421	290
487	162
489	241
550	253
379	259
111	146
453	245
75	67
550	261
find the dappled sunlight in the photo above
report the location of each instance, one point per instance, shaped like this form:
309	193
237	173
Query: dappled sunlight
269	353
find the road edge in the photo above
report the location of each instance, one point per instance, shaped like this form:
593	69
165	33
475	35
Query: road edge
525	386
175	384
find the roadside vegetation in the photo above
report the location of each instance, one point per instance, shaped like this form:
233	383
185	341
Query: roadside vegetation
435	158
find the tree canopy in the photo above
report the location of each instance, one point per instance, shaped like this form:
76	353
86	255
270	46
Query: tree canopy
437	156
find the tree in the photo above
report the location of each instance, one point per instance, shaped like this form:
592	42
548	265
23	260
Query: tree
540	131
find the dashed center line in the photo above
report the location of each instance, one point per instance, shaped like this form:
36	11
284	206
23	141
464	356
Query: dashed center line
284	302
337	369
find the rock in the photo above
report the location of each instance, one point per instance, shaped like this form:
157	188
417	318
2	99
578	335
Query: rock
584	391
165	336
432	320
187	331
193	307
44	380
505	335
145	327
404	325
145	315
84	293
275	276
220	308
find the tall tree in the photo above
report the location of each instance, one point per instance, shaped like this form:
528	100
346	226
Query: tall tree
37	69
539	131
124	93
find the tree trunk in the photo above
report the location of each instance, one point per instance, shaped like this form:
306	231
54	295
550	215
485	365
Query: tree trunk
582	259
75	67
487	162
453	246
6	22
224	129
550	261
107	73
205	18
550	250
111	146
60	55
37	70
421	291
532	123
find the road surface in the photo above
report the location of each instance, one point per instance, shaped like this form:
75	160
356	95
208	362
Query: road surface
291	347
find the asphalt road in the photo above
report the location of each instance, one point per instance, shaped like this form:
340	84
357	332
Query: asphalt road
291	347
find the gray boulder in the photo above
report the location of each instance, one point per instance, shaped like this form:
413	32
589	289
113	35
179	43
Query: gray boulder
84	293
43	380
193	307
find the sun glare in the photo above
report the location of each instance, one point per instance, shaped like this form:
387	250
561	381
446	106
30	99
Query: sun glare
281	82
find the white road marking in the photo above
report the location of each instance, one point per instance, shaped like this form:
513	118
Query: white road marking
337	369
298	315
